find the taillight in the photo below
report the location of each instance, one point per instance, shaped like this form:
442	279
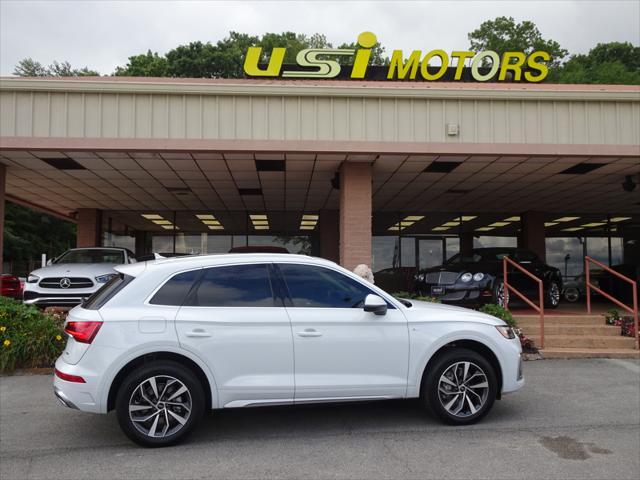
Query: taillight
68	378
83	332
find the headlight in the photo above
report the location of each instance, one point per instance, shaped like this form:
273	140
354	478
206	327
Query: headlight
506	331
105	278
478	276
466	277
33	279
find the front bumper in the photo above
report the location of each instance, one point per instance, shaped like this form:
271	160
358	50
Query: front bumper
55	299
458	293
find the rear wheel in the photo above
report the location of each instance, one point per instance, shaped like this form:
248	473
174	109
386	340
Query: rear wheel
460	387
158	405
552	295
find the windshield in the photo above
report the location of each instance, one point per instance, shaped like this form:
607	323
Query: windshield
92	256
477	256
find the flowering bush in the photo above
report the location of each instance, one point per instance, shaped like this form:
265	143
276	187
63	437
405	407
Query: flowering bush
528	345
29	338
627	328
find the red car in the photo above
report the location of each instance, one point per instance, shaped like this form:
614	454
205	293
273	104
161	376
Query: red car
10	286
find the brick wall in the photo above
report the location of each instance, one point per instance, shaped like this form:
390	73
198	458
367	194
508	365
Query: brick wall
89	226
355	214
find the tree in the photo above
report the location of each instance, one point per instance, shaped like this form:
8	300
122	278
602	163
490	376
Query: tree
145	65
505	35
30	68
28	234
377	54
606	63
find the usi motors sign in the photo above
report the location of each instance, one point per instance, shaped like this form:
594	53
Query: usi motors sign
430	65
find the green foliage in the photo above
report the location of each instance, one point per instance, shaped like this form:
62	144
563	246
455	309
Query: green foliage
607	63
415	296
505	35
30	68
28	337
498	312
225	58
28	234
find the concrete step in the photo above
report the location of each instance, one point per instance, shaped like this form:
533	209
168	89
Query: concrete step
589	353
595	342
575	330
523	320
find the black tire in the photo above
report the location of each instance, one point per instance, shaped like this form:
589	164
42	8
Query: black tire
498	285
571	294
552	295
174	376
436	401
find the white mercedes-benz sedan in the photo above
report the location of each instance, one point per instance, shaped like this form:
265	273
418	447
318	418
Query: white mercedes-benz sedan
167	339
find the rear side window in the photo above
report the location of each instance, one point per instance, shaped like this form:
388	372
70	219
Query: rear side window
107	292
234	286
176	289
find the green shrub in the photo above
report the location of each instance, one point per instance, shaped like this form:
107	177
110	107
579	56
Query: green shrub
28	337
499	312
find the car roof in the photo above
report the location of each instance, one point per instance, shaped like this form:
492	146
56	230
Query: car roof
196	261
98	248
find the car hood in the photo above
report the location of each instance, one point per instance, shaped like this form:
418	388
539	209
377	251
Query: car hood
89	270
473	267
438	312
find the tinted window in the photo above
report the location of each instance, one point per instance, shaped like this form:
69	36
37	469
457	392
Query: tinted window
175	290
311	286
234	286
106	292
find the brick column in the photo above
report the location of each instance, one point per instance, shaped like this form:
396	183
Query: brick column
329	235
532	235
89	227
3	177
355	214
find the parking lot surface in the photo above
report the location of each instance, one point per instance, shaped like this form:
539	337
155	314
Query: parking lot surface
575	419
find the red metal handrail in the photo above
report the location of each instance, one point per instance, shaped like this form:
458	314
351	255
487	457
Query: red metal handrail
634	286
540	309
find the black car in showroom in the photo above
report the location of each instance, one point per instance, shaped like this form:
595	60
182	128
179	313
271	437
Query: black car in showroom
475	278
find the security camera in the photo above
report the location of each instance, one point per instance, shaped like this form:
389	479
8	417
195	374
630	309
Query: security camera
628	185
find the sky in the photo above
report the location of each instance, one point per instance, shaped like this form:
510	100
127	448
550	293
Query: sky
102	34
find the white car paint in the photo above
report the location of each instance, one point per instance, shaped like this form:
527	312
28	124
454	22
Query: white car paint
254	355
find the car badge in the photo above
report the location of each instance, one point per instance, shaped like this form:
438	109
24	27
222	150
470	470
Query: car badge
65	282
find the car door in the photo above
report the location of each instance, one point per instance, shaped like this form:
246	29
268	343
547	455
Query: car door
530	262
341	351
233	320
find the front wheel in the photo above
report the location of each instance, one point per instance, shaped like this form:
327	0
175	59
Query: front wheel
460	387
159	404
552	295
500	293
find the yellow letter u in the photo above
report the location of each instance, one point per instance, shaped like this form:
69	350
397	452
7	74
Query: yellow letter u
252	60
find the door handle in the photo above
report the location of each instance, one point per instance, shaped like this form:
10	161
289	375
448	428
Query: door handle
198	332
309	332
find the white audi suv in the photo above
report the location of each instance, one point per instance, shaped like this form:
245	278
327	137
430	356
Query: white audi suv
169	338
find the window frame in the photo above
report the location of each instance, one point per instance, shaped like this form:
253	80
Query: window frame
289	301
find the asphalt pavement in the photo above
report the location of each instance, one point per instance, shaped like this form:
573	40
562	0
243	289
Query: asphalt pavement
575	419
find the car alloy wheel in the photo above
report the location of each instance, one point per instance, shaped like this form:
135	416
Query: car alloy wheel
572	294
463	389
553	295
160	406
501	295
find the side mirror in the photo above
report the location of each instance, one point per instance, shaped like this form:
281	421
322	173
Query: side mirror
50	261
375	304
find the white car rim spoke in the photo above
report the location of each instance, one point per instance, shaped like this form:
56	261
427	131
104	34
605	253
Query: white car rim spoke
463	389
160	406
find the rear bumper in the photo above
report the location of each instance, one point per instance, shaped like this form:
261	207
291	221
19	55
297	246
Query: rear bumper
79	396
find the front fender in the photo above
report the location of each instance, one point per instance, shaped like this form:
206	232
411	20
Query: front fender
427	339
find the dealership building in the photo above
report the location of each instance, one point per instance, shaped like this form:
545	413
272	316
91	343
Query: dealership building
385	173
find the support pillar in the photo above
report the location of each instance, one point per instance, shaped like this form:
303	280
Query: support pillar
466	243
89	227
329	235
532	235
355	214
3	177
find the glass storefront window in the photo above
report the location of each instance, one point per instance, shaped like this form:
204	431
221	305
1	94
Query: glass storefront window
385	253
565	253
487	241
